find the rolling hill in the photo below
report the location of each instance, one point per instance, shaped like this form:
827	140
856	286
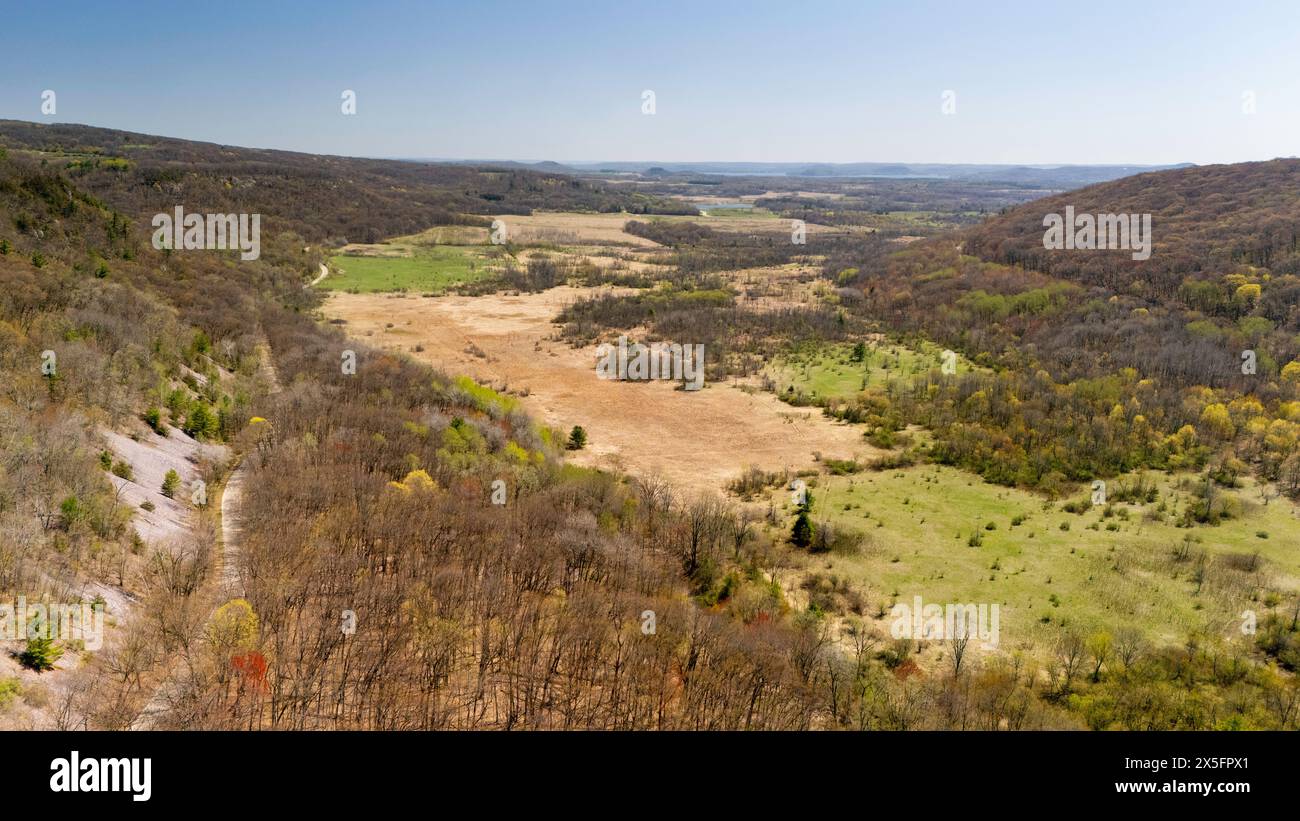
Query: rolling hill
1207	220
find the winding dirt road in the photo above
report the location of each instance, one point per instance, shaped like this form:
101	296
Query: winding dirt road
324	272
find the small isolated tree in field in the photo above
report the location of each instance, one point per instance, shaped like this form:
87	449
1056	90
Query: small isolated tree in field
577	438
40	654
171	482
801	535
958	642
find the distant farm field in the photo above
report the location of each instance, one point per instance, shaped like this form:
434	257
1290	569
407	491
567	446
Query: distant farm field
732	212
426	269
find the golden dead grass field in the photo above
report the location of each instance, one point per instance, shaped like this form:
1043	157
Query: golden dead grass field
564	228
697	440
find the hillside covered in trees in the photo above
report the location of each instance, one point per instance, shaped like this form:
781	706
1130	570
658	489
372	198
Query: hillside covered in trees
1099	363
322	199
1209	221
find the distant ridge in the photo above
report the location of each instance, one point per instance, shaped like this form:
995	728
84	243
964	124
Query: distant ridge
1051	176
1055	176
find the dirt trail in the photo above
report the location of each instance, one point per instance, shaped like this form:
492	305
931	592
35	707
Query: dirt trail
232	496
698	440
324	272
227	583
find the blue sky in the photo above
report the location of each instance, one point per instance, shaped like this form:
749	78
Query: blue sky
1096	82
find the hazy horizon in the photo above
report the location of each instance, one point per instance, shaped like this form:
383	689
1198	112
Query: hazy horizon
589	164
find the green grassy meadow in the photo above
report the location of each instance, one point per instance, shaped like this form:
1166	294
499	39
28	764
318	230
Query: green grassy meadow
427	269
1134	567
828	371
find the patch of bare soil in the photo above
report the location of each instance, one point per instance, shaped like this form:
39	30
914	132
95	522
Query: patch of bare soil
150	457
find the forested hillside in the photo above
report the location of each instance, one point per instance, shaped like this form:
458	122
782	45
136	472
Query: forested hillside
1209	222
1102	363
319	198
